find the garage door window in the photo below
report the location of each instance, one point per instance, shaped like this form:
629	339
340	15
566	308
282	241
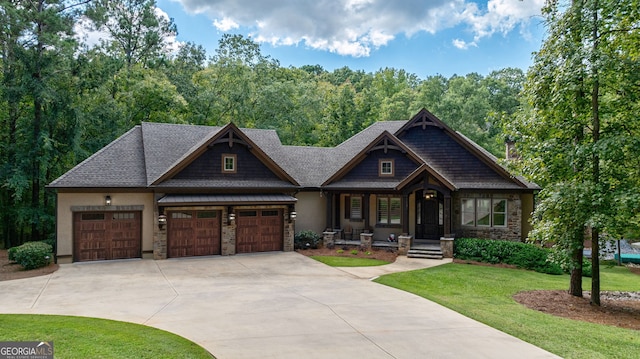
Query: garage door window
248	213
93	216
269	213
207	214
124	215
183	215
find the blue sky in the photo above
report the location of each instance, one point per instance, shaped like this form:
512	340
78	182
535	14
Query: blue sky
425	37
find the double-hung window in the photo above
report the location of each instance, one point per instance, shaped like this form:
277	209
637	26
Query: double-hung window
389	211
229	163
484	212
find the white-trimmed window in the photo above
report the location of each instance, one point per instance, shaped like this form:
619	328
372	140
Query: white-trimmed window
385	168
389	211
355	207
229	163
484	212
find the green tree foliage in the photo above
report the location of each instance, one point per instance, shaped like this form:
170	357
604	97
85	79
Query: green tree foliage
578	133
61	101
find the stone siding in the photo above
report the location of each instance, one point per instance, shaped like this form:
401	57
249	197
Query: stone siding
512	231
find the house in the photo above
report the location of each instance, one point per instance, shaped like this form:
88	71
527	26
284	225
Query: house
166	190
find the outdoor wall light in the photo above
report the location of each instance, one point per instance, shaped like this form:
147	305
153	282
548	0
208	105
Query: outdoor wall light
293	215
232	216
162	221
107	200
429	194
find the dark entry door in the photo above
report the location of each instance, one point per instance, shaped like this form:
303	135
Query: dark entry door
429	218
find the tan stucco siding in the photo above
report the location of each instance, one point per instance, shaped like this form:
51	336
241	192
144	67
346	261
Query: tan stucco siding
311	212
527	201
65	216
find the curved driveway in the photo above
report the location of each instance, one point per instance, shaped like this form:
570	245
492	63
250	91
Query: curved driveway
270	305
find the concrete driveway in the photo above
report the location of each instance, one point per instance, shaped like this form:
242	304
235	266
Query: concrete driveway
270	305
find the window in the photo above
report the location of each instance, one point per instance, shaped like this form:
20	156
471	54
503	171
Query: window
355	207
206	214
484	212
389	210
92	216
386	167
124	215
229	163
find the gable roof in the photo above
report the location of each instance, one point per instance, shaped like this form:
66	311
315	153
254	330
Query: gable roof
150	154
230	130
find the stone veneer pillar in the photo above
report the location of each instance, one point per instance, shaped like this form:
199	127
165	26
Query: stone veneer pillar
160	243
328	239
446	246
366	240
404	244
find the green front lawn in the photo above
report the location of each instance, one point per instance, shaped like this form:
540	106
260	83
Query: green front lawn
336	261
79	337
485	294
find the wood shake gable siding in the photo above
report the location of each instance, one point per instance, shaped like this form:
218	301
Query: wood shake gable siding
209	165
368	169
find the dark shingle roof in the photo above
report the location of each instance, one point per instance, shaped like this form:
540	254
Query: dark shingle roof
119	164
141	156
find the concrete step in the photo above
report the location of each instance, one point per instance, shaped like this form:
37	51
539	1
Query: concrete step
425	253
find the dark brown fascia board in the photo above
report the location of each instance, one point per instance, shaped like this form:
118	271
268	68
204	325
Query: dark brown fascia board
202	147
426	168
362	154
464	142
99	189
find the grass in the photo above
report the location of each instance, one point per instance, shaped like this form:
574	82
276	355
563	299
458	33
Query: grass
337	261
485	294
79	337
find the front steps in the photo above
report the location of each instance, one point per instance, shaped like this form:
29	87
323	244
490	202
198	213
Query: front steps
428	253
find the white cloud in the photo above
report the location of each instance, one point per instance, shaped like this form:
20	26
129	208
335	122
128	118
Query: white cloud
225	24
357	27
463	45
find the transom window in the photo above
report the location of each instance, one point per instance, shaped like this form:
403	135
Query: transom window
389	211
484	212
386	168
229	163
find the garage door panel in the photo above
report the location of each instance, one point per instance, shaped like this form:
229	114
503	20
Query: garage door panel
107	235
259	231
193	233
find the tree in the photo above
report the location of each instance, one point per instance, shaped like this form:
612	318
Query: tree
137	33
578	130
37	51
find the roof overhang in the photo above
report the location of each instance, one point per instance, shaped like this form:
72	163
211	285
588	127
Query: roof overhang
225	199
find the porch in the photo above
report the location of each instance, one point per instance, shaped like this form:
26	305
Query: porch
404	244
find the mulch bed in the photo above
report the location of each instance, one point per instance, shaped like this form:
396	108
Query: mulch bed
12	270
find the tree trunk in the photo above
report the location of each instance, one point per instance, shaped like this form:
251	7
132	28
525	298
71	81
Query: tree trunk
595	111
575	283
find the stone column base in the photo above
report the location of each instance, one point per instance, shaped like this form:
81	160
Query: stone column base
366	240
446	246
404	244
329	239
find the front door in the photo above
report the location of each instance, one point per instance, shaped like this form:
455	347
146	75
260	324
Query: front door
429	217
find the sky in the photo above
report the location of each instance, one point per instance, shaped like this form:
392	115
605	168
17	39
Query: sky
424	37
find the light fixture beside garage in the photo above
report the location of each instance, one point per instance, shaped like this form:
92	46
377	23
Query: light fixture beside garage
232	216
107	200
293	215
162	221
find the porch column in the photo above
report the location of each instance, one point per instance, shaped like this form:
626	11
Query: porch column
447	216
405	213
365	210
329	214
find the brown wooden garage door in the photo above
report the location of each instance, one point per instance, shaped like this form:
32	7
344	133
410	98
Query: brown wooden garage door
193	233
259	231
106	235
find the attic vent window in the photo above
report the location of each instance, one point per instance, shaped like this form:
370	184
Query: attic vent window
229	163
386	168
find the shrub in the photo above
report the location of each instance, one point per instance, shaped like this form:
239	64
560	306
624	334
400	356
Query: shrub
354	252
32	255
306	240
522	255
11	253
